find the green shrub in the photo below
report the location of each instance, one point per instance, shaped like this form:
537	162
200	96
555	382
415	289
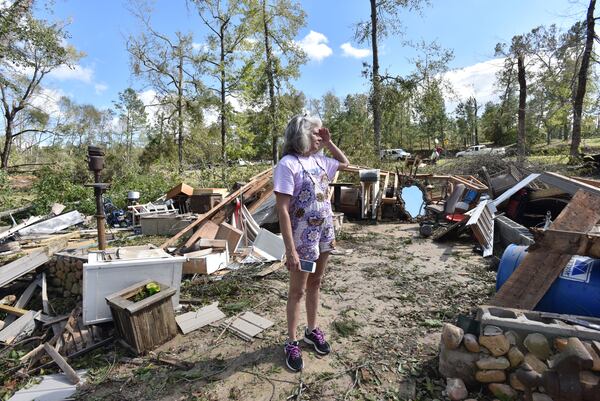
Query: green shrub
5	199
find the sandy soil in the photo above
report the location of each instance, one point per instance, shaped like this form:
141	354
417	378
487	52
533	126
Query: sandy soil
382	309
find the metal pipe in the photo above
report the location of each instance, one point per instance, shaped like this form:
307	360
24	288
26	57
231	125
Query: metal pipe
96	165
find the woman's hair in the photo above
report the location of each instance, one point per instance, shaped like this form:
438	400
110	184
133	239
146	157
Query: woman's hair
296	139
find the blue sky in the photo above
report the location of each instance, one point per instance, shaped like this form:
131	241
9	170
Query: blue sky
471	28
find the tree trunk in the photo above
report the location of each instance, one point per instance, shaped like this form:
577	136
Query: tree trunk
522	105
376	96
476	122
271	83
180	109
582	80
8	138
223	122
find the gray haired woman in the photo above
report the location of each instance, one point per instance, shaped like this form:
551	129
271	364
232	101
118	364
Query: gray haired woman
301	185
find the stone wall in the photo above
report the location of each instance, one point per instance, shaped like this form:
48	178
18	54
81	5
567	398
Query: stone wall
65	274
512	365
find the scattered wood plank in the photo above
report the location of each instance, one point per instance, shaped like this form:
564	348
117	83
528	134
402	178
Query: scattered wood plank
13	310
270	269
62	363
191	321
247	326
20	327
208	215
45	305
540	267
567	242
26	264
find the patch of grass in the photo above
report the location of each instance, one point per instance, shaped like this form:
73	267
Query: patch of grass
346	327
344	236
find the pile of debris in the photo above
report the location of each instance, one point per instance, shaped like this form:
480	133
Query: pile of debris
540	336
111	284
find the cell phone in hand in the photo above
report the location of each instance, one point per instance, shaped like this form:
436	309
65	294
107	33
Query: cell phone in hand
308	266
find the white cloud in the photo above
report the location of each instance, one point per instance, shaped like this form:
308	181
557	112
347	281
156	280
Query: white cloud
315	46
100	88
46	99
148	97
351	51
76	73
476	80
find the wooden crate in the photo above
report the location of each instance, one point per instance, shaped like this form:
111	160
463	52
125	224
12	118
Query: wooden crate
146	324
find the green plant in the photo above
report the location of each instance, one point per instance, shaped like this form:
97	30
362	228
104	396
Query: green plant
5	199
346	327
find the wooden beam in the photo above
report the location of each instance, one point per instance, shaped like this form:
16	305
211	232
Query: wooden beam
540	267
62	363
221	214
13	310
263	198
208	215
567	242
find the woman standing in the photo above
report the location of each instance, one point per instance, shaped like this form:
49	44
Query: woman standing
301	185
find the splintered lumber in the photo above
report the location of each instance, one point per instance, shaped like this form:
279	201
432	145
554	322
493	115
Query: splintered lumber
567	242
62	363
24	265
24	298
263	177
541	266
12	310
23	325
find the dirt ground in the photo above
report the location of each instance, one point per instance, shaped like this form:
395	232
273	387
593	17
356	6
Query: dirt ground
382	308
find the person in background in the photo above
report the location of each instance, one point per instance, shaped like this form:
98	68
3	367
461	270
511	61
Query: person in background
301	185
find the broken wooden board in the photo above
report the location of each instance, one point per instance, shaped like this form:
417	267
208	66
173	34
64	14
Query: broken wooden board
247	326
20	327
270	269
254	181
191	321
567	242
62	363
24	298
232	235
24	265
540	267
13	310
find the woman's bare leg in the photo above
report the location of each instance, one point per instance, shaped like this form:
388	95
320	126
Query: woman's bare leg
295	293
313	289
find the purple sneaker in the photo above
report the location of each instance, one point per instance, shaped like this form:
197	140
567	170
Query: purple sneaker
317	339
293	356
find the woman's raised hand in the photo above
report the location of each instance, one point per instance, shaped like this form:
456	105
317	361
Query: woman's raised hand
325	135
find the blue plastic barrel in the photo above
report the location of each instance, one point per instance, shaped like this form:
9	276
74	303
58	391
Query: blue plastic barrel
576	291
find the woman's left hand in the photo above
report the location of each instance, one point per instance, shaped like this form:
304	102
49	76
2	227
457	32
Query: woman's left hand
325	135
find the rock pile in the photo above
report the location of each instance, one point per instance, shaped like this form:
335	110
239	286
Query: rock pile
65	274
509	365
